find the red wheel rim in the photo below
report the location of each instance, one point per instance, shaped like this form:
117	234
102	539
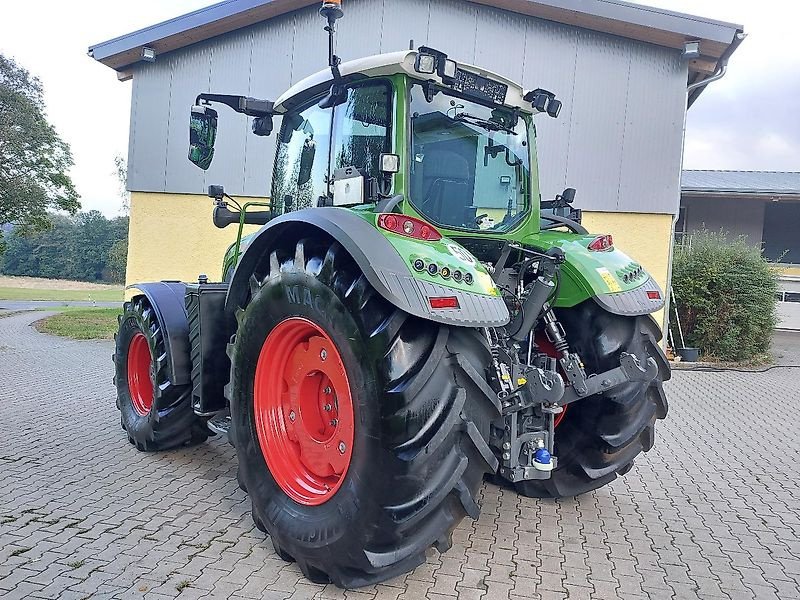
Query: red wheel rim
548	348
303	411
140	384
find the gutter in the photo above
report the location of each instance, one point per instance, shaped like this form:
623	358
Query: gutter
695	89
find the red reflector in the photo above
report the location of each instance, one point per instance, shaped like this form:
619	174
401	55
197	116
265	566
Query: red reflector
409	227
654	295
601	242
444	302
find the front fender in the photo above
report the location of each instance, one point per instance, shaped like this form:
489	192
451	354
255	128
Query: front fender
388	271
168	301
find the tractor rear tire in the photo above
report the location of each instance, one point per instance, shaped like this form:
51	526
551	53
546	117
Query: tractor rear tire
600	436
361	431
156	414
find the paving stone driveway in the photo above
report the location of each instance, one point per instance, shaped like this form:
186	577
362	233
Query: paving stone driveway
712	512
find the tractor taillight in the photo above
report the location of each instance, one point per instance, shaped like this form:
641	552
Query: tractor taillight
601	242
409	227
441	302
653	295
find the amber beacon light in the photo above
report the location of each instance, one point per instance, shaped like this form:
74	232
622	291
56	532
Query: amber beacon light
331	9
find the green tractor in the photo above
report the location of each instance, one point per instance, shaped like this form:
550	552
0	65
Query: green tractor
409	319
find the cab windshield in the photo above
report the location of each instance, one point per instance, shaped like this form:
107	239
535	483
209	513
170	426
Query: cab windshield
470	163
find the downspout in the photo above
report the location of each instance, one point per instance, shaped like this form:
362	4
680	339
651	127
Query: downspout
695	88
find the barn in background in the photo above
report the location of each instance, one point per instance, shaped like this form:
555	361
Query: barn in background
621	69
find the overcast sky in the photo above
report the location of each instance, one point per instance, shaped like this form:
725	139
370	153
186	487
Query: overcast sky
749	120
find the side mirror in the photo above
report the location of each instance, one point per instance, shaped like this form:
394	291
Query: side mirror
202	136
568	195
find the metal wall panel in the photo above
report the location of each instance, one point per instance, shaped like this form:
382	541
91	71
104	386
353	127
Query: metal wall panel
147	164
230	74
191	70
452	28
550	57
270	74
594	154
358	34
403	22
618	140
653	134
310	49
500	45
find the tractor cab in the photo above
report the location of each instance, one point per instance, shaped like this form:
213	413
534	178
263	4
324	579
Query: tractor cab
449	143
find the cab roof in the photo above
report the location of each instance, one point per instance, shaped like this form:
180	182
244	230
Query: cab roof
395	63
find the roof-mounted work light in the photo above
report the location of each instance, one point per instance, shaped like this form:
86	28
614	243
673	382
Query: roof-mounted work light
426	64
430	61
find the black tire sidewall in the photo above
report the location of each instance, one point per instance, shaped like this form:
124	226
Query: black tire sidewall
140	427
342	518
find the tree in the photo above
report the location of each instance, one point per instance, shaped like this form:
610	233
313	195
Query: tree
34	160
121	169
86	247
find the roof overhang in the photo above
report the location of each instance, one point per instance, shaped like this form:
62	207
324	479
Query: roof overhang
632	21
741	194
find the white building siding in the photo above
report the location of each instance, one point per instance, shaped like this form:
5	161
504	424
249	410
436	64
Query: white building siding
618	140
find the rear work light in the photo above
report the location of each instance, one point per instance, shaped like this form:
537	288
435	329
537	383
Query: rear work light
409	227
601	242
444	302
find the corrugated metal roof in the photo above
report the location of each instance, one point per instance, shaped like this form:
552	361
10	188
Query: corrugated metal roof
657	26
741	182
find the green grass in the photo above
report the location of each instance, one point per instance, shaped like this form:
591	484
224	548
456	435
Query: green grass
82	324
12	293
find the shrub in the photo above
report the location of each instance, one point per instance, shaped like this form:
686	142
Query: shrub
725	294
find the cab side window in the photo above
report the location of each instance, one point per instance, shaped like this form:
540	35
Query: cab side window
362	128
301	159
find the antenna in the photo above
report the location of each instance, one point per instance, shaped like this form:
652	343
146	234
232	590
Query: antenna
332	11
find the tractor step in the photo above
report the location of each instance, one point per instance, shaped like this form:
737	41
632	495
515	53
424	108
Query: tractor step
220	423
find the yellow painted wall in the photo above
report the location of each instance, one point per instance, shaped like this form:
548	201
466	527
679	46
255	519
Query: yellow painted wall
644	237
793	271
172	237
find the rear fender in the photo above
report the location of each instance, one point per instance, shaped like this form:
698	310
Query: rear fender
611	278
383	266
168	301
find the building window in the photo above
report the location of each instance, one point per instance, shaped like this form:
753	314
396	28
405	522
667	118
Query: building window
781	239
680	227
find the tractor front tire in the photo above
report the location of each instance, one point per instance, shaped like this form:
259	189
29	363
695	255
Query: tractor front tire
600	436
155	413
361	431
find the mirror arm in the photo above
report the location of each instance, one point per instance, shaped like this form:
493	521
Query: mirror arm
252	107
